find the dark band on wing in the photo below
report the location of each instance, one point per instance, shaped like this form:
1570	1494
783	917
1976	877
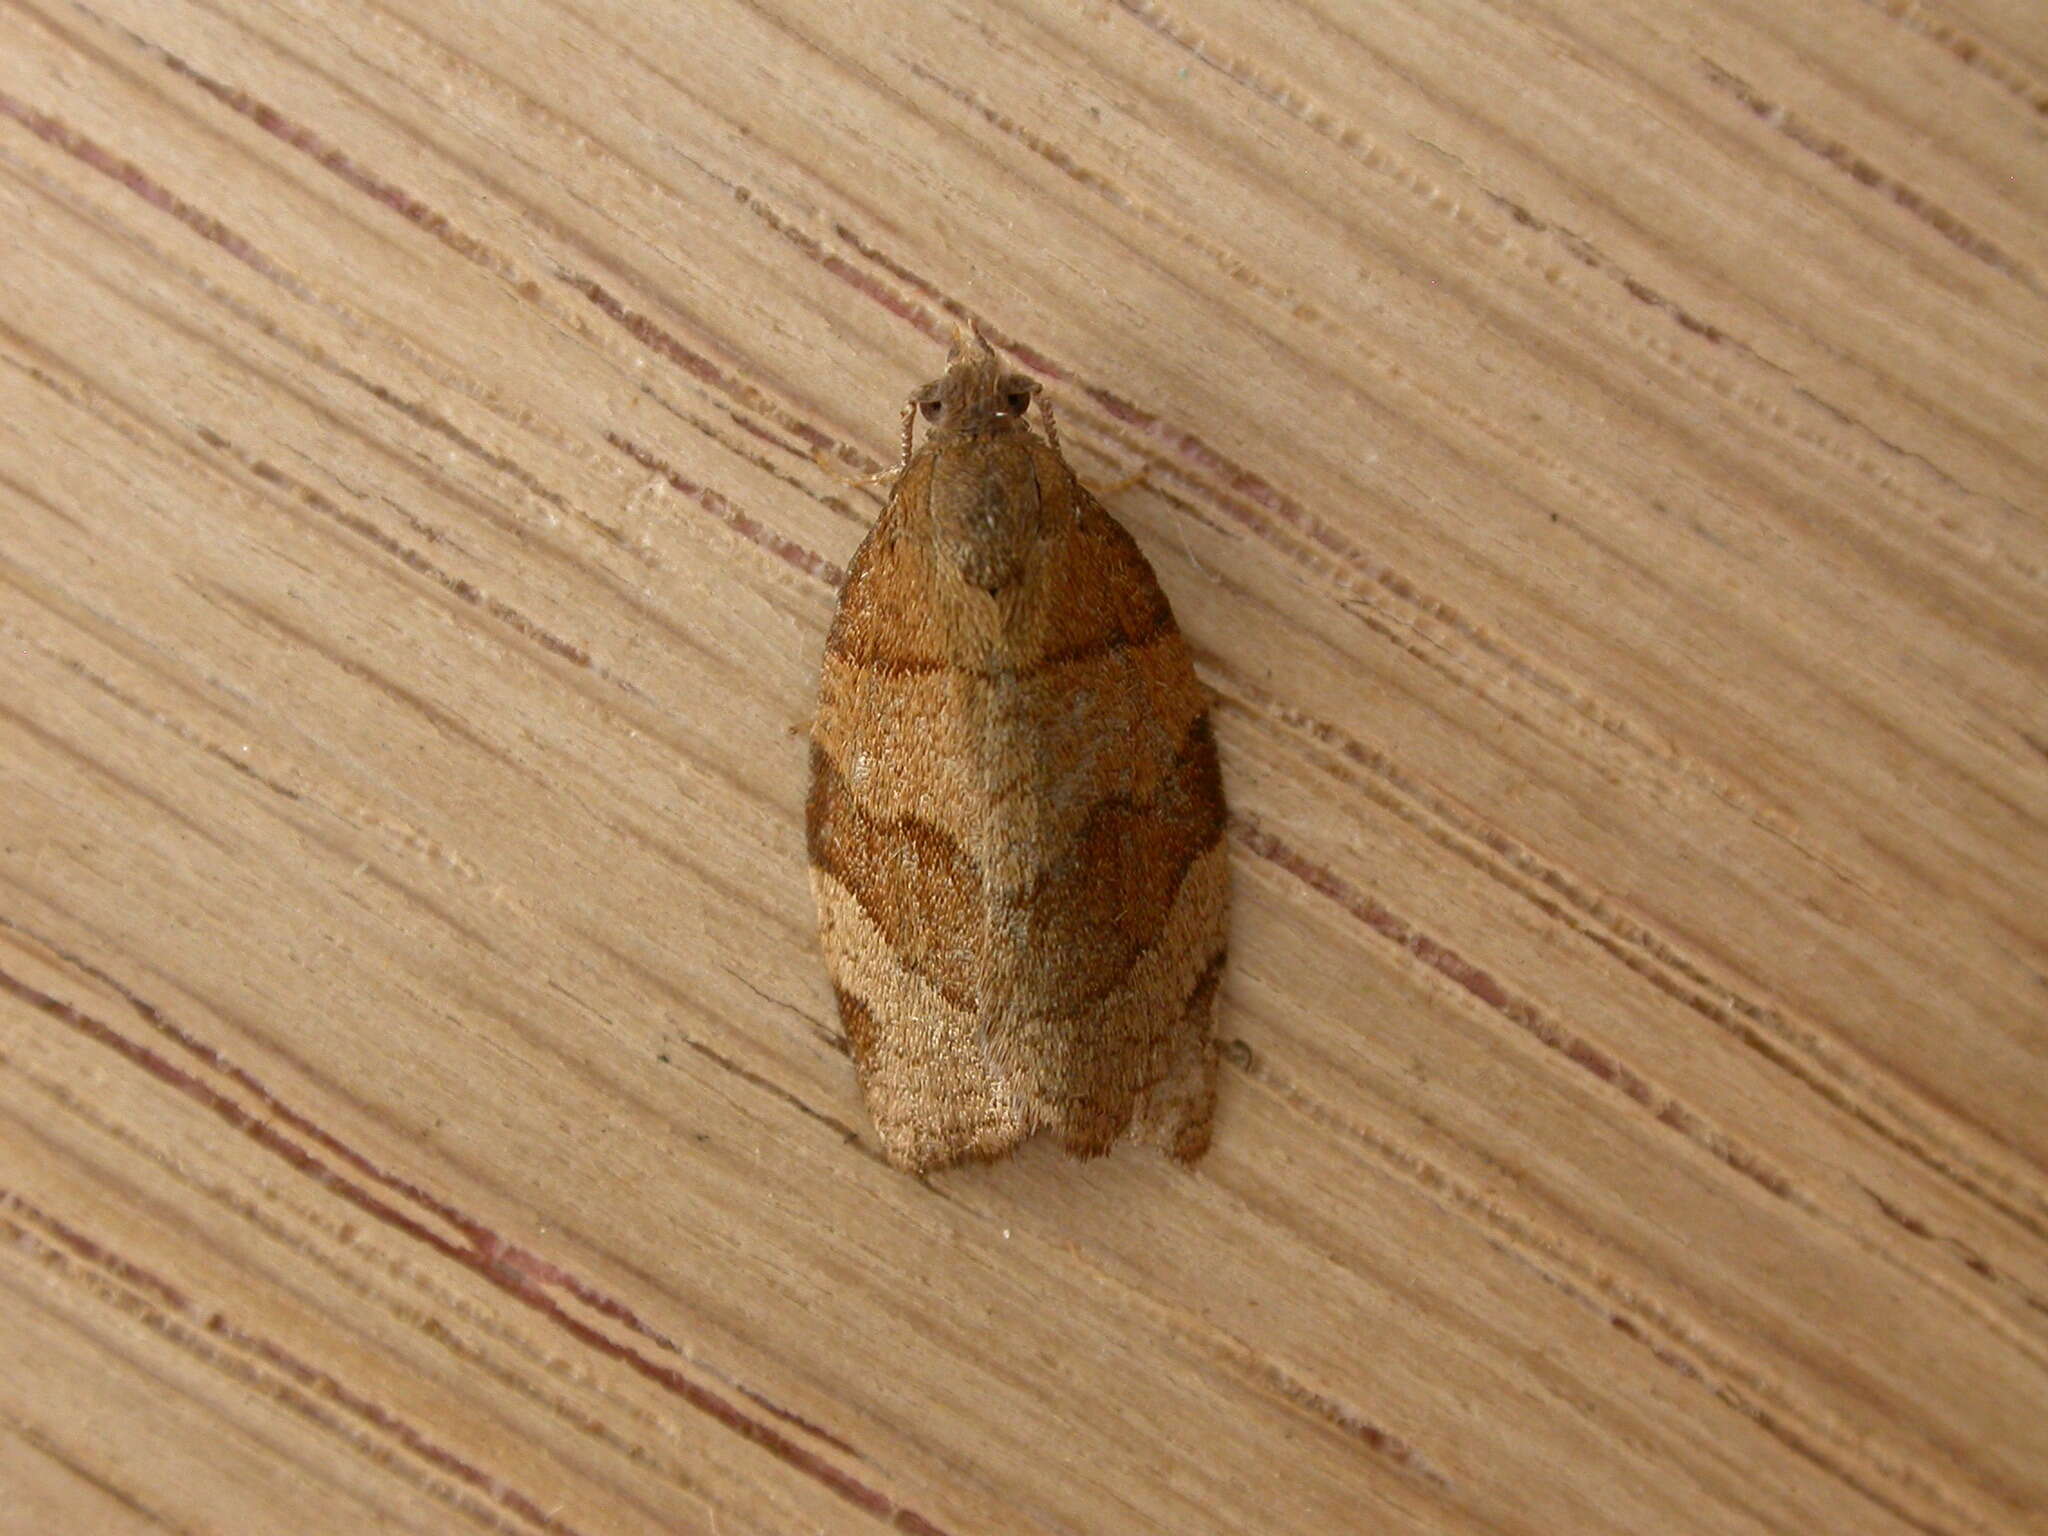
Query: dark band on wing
916	884
1108	898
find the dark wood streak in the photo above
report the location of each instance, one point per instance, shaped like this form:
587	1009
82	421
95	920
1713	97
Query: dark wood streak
309	1149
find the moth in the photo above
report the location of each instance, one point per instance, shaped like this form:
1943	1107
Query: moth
1016	815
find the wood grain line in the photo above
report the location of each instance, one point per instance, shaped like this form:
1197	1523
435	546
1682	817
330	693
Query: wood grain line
1968	50
1972	1179
1853	165
1604	449
1611	1070
1366	576
417	212
53	131
525	1276
1828	1067
1252	835
1277	92
1675	1343
333	1239
45	1444
388	195
748	526
98	768
44	1235
451	1484
1493	646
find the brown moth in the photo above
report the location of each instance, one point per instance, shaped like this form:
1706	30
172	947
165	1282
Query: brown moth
1016	819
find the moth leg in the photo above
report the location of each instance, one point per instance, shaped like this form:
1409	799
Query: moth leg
1099	492
1052	426
1117	487
824	462
819	457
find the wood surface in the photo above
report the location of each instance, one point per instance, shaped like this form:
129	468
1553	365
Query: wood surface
1597	454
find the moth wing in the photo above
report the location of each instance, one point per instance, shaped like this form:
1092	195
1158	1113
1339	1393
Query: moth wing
1102	1014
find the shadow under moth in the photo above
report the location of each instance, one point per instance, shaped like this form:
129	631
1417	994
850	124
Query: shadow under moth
1015	818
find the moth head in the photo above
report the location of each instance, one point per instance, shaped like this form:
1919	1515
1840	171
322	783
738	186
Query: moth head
975	393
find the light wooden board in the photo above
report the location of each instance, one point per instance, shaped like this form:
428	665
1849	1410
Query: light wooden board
1598	454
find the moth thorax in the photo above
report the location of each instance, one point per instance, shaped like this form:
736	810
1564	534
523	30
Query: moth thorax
985	508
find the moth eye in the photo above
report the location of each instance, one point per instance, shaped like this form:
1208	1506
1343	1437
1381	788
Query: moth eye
1018	400
931	409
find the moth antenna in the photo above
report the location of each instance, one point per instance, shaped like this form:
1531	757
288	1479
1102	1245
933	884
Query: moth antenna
1188	549
902	458
909	425
1052	426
